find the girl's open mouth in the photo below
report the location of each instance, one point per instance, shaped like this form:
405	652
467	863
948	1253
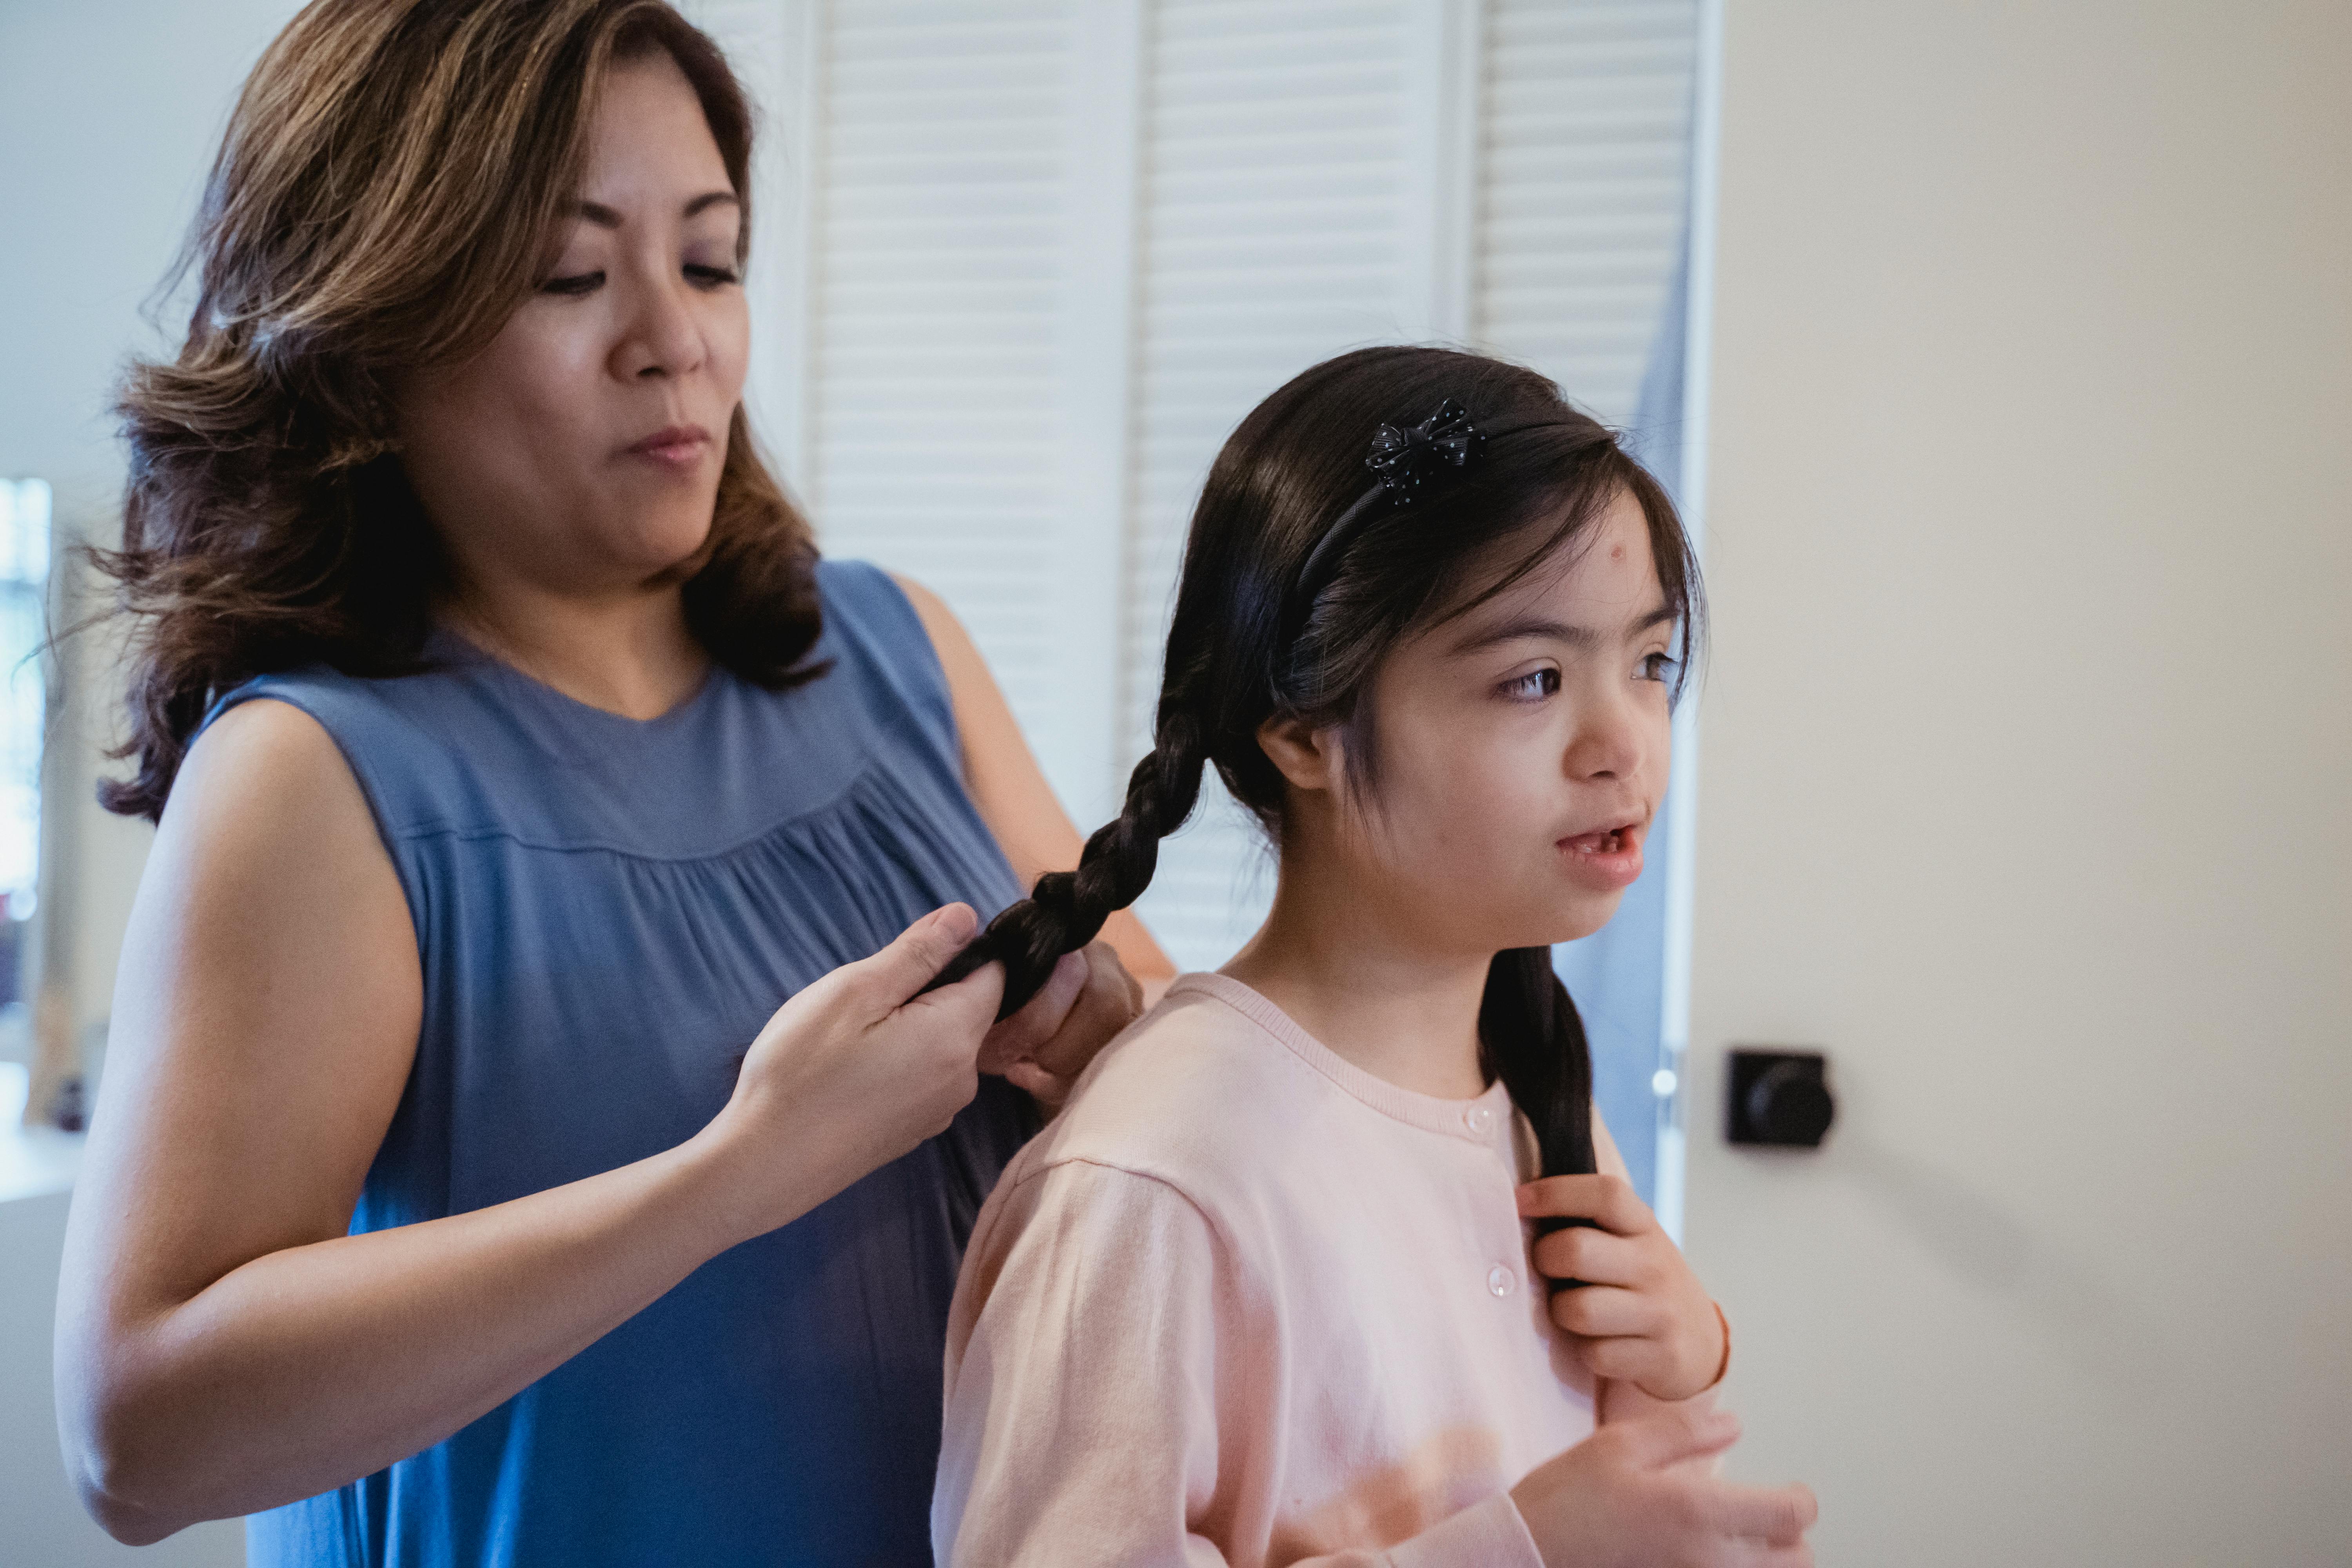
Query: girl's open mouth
1610	858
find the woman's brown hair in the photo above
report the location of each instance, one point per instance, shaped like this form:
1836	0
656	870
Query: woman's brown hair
384	199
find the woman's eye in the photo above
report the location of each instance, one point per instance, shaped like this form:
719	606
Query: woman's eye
574	286
1534	685
1659	665
712	277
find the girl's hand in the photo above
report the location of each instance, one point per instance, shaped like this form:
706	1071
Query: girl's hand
1638	1313
1639	1495
1046	1046
854	1071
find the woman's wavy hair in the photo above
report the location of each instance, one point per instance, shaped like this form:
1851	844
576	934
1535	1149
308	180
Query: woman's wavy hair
1294	466
386	195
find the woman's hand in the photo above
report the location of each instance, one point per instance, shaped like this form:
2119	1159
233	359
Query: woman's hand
1046	1046
855	1070
1639	1494
1638	1314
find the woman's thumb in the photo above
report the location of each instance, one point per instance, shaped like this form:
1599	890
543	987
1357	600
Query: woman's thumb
916	956
920	951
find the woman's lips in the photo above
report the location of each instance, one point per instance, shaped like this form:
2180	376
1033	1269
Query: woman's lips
678	447
1609	859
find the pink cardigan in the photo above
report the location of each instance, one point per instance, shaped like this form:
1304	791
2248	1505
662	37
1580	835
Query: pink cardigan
1244	1303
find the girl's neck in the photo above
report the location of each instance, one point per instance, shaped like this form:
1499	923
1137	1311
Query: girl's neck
628	653
1339	963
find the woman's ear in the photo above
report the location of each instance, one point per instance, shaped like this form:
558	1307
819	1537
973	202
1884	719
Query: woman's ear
1308	757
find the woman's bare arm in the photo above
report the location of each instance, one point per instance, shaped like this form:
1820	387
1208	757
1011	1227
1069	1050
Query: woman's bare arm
1009	788
223	1345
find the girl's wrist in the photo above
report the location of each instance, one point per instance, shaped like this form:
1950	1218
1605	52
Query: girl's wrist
1715	1358
1704	1366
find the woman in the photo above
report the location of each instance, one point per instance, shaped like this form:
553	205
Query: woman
454	1197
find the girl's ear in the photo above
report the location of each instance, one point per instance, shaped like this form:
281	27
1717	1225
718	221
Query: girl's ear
1308	757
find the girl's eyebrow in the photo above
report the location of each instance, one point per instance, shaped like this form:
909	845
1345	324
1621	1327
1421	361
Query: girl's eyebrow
1545	629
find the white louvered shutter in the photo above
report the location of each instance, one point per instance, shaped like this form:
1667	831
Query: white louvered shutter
934	327
933	435
1271	231
1583	186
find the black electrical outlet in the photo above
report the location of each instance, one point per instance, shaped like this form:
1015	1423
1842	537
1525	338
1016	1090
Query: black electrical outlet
1778	1098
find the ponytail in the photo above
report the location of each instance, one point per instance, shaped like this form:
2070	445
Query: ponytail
1535	1043
1065	911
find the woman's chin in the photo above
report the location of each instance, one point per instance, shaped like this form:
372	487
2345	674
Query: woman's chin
669	548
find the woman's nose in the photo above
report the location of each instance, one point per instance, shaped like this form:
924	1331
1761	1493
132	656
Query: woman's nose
663	338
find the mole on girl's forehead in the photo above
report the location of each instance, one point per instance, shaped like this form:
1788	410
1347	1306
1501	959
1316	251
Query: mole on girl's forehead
1617	552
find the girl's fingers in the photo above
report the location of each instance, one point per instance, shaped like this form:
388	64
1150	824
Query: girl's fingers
1675	1434
1761	1554
1771	1516
1579	1252
1604	1311
1609	1202
1626	1358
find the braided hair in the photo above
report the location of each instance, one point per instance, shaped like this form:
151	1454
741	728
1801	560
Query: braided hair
1256	635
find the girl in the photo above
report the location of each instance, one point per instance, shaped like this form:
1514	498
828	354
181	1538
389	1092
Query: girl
1263	1293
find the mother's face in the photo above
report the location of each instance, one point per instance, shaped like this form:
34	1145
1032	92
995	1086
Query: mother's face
580	452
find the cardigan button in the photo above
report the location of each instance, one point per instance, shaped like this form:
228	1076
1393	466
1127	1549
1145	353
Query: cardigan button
1500	1280
1478	1119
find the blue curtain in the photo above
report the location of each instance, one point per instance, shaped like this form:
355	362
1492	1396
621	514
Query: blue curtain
1618	973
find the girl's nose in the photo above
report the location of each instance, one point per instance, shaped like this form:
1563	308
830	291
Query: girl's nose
1610	740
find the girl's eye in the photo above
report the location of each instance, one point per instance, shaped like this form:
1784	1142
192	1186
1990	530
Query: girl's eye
574	286
1534	685
712	277
1659	667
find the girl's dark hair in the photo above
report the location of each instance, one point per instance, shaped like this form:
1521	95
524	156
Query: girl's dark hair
383	200
1294	466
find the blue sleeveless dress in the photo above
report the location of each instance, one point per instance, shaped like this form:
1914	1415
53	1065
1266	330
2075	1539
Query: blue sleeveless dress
607	912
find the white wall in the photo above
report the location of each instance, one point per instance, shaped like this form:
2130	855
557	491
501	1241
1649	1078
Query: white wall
108	114
2024	778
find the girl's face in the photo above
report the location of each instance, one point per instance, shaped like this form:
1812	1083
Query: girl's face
580	450
1522	751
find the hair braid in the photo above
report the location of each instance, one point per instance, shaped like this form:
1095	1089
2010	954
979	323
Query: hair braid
1535	1043
1066	910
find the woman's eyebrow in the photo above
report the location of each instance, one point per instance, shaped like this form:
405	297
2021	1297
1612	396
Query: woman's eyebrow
603	217
1544	628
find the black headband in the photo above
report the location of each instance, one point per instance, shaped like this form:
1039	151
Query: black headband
1402	462
1407	464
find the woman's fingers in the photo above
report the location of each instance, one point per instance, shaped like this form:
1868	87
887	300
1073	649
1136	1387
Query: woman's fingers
1093	999
1107	1001
1046	1088
1026	1034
